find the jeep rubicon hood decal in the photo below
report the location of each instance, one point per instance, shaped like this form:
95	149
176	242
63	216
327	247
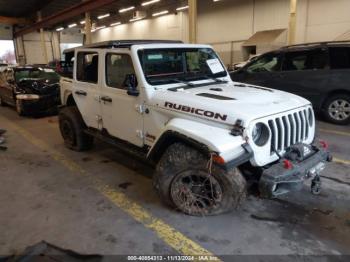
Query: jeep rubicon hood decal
197	111
240	103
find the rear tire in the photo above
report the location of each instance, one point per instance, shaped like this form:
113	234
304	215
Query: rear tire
72	128
337	109
183	181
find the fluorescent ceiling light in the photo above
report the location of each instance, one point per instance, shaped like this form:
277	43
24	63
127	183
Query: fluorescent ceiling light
182	8
126	9
136	19
161	13
115	24
103	16
82	22
59	29
72	25
150	2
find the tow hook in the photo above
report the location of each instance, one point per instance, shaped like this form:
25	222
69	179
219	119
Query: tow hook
316	185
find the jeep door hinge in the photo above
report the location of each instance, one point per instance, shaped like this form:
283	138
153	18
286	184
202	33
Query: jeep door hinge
140	134
141	108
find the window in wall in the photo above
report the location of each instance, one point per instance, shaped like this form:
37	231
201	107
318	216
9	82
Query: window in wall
7	52
64	46
118	66
305	60
340	57
265	63
87	67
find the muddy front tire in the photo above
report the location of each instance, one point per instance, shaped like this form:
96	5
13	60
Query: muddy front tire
72	129
183	181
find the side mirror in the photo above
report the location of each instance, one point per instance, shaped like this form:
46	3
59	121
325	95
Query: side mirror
131	84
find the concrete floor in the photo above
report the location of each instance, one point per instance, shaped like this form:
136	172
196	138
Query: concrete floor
41	198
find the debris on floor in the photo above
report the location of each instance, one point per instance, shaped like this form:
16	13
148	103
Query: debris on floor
46	252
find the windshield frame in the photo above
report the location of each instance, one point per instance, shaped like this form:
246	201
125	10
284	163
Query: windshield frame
186	78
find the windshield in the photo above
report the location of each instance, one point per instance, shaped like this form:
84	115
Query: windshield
265	63
46	74
165	66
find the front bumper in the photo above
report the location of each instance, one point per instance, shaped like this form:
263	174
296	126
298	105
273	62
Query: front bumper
45	103
283	177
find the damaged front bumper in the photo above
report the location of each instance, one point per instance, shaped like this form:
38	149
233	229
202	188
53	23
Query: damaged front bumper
301	163
41	104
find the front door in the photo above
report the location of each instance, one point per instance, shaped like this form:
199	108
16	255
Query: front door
86	85
121	113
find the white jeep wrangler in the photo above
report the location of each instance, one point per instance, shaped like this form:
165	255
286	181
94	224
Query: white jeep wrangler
175	105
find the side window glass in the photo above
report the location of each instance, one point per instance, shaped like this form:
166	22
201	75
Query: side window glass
316	59
305	60
266	63
118	67
340	57
87	67
3	77
9	76
294	61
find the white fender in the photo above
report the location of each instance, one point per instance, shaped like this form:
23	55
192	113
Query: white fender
216	139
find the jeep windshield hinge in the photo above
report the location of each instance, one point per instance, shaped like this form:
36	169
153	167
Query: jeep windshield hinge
140	108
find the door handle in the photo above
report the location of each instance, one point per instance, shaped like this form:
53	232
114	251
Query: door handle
106	99
80	93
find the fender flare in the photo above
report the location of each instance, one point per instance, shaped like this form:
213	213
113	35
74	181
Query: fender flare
170	137
204	137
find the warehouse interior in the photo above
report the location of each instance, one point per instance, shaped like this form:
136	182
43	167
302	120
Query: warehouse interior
100	204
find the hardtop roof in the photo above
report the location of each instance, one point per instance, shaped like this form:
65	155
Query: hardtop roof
123	44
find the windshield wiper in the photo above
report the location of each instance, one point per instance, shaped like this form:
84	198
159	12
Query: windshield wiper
183	82
217	80
176	80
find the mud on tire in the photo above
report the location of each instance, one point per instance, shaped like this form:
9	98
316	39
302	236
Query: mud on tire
183	181
72	129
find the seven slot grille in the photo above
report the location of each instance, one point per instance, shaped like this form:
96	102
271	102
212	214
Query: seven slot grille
289	130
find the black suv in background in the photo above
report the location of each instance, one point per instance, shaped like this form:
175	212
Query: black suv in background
320	72
30	89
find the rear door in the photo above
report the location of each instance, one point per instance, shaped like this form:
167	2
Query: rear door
340	68
86	86
306	73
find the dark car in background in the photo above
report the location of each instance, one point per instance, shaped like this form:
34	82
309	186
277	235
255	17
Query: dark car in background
319	72
30	89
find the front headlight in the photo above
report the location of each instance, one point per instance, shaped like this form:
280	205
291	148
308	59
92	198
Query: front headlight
27	97
260	134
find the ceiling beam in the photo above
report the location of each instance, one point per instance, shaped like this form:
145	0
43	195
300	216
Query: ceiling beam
13	20
64	15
